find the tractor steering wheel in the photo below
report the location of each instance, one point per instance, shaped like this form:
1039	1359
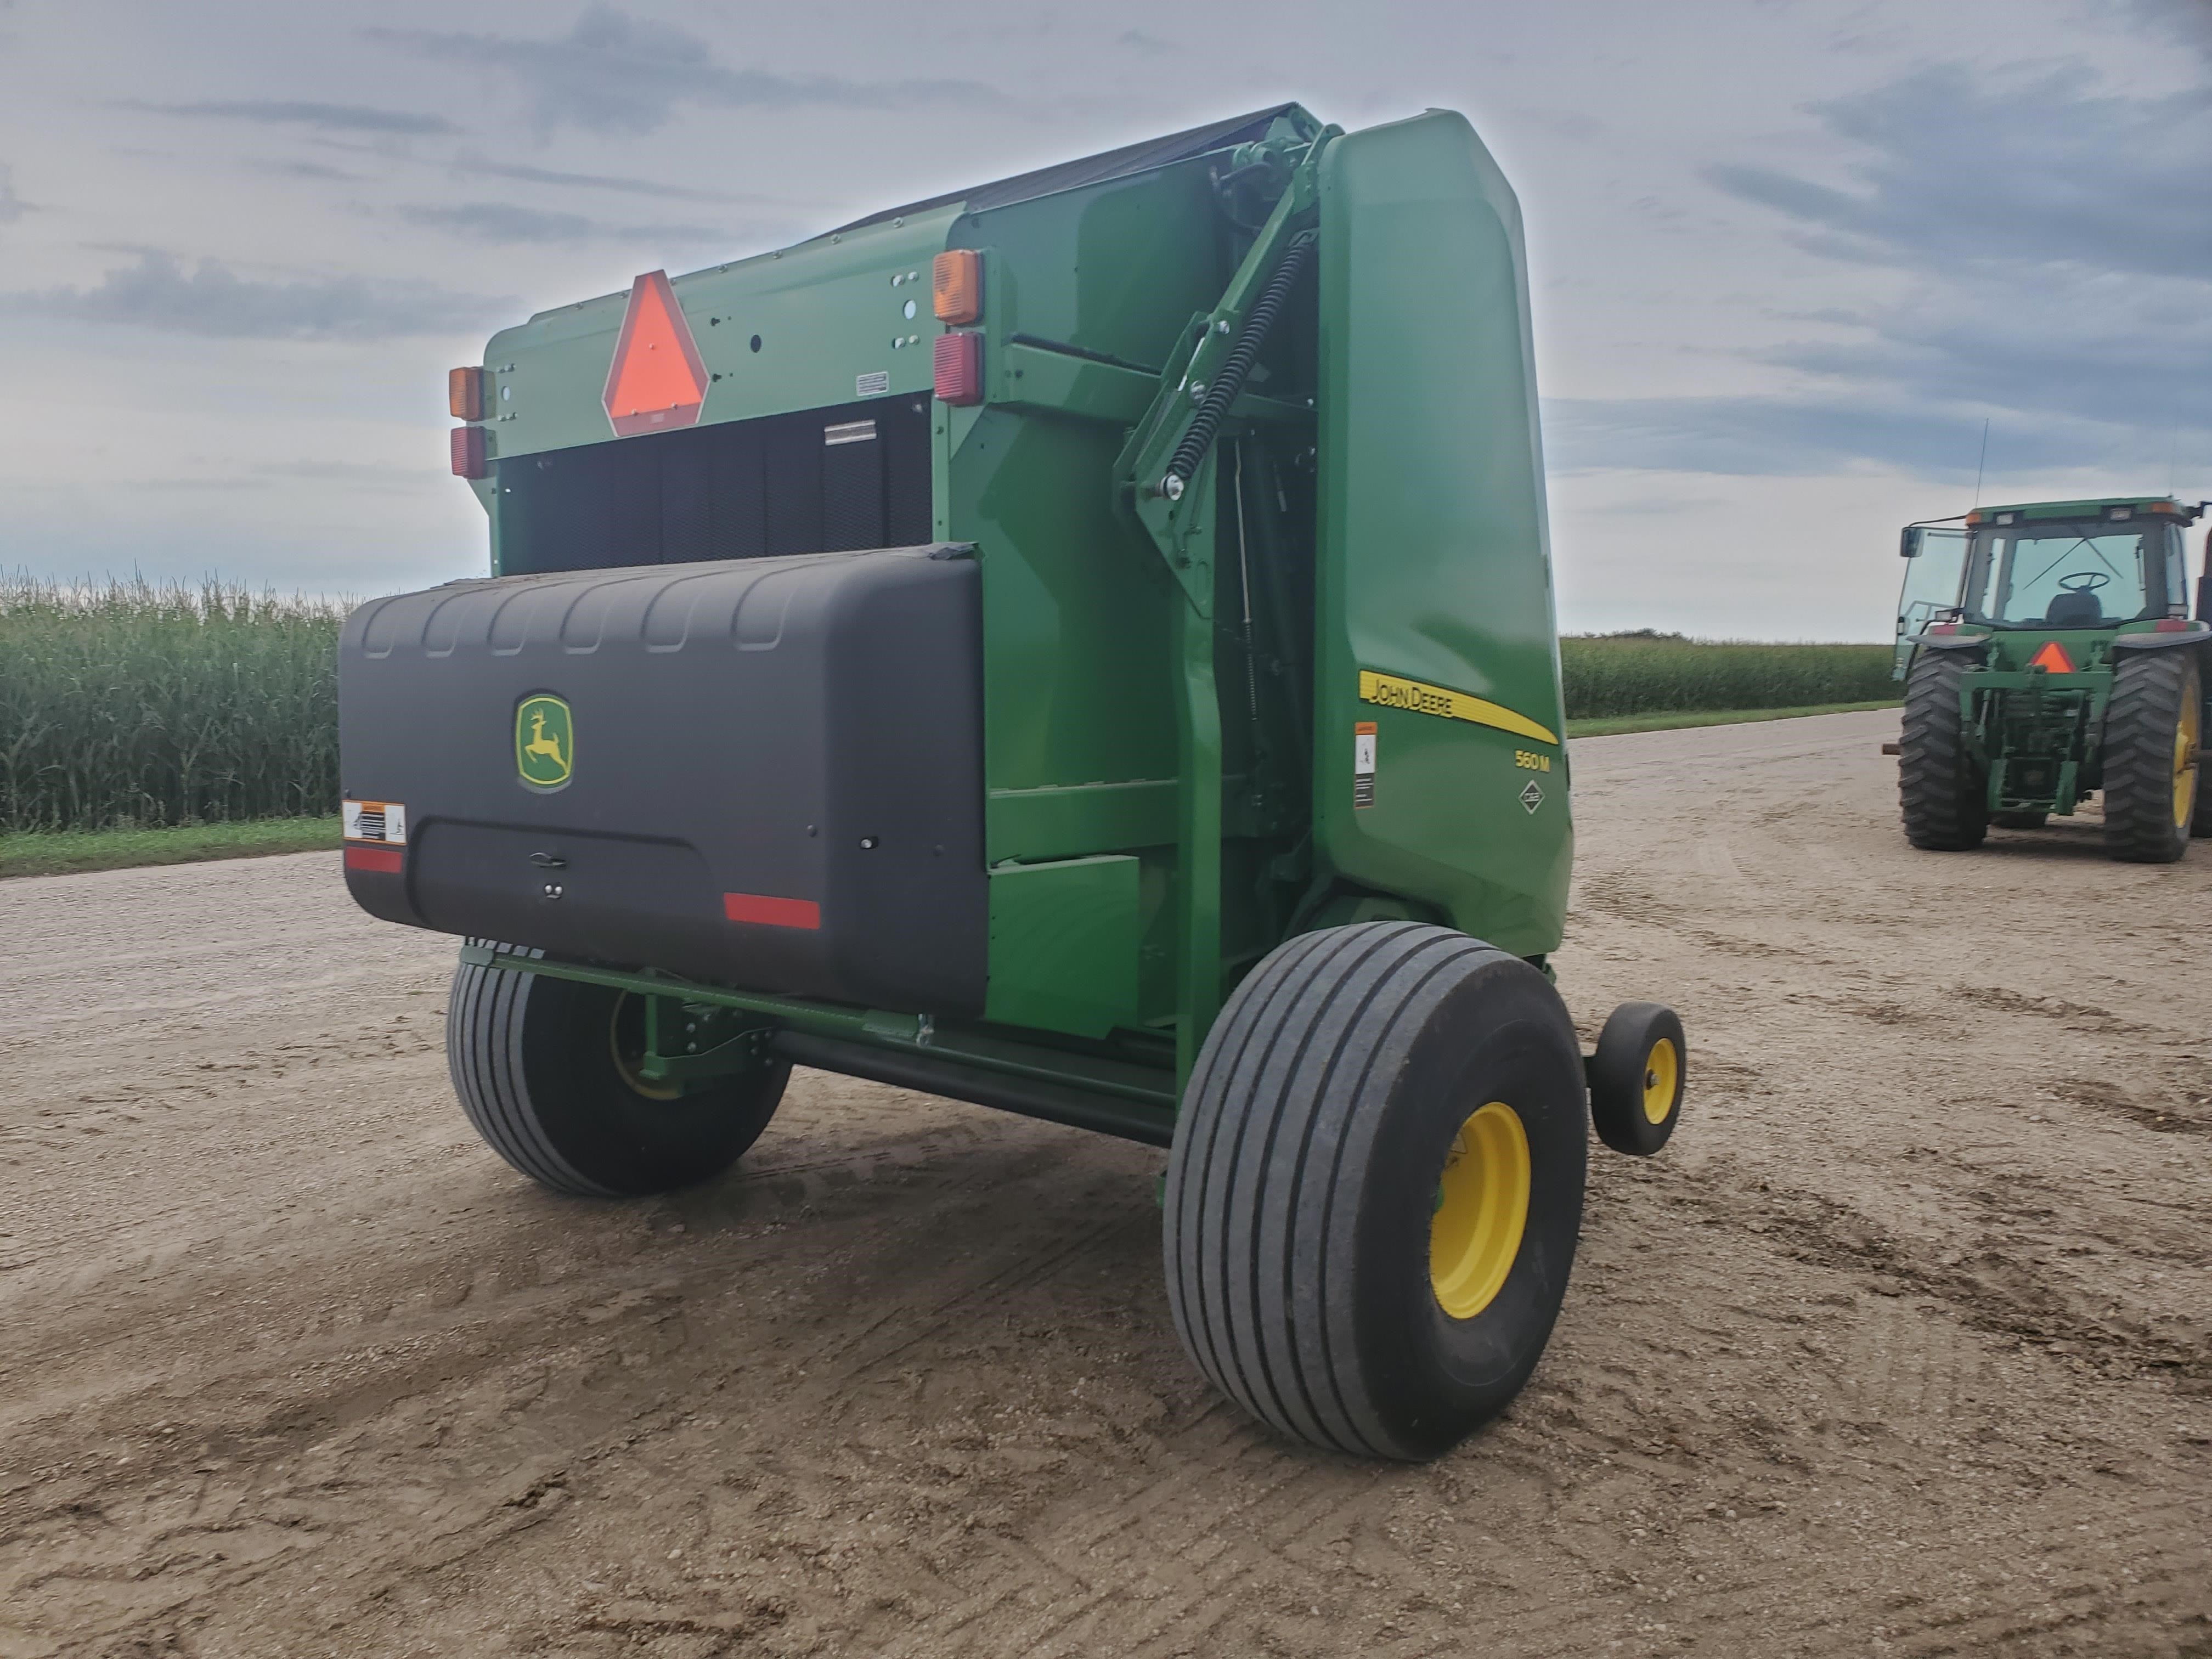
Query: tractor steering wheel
2085	581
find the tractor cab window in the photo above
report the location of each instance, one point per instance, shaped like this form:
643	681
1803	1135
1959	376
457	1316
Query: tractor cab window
1937	558
2066	575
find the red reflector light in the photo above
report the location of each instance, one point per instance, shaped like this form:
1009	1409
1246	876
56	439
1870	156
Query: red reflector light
2174	625
472	454
464	394
1944	628
2053	659
380	860
958	359
772	912
658	380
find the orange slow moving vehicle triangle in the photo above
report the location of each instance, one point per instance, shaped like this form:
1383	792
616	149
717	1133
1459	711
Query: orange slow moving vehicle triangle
2053	658
658	378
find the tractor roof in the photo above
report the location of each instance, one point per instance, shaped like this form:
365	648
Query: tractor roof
2087	509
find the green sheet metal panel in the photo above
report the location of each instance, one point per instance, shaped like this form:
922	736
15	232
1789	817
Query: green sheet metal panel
1064	945
827	312
1434	562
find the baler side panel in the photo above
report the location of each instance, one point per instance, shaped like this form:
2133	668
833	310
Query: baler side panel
1079	724
1434	560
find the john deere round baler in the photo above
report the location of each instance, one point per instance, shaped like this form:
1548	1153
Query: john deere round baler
1082	645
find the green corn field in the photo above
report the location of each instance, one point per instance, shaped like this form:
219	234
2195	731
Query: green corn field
138	703
1615	674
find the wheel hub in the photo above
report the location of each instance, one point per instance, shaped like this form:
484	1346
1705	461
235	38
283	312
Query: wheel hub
1482	1208
1662	1067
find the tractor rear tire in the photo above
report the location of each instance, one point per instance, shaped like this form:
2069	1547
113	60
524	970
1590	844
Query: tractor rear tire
539	1066
1375	1187
1942	794
2151	728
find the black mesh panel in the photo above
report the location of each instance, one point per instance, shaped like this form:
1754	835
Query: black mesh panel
740	489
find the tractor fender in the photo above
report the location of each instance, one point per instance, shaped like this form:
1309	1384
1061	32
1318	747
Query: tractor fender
2168	640
1948	641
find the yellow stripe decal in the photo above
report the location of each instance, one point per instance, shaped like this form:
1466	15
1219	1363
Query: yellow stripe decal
1392	692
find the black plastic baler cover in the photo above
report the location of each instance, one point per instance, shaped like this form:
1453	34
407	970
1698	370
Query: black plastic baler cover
767	773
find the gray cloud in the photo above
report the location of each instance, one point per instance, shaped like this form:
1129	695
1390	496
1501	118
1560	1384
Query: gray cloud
503	222
476	167
1790	436
2059	283
2031	171
12	206
615	73
329	118
158	293
315	170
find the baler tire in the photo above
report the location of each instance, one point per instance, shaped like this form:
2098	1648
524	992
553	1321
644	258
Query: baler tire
2148	817
1942	798
532	1060
1344	1163
1636	1077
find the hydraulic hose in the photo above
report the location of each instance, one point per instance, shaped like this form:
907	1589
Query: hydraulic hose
1231	381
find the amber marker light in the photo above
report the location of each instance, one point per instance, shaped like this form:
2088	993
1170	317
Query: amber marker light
955	286
464	394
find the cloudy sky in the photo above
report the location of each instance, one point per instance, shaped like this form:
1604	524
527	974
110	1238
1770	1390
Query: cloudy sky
1788	255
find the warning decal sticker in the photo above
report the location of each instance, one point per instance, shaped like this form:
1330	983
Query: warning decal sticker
1532	797
381	821
1391	692
1363	763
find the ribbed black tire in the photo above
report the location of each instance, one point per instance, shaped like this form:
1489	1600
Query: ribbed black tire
1305	1172
532	1061
1941	790
2149	690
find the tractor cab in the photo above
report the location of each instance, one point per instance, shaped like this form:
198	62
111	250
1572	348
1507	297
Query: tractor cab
2048	568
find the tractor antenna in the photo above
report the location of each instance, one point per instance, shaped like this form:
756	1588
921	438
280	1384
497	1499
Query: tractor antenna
1981	464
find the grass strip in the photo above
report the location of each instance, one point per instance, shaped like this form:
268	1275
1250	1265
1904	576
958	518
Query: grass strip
54	853
1612	724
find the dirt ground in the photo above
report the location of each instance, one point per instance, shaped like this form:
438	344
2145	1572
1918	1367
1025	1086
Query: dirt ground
1901	1349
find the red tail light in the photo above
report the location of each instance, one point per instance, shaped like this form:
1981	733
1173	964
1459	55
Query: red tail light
472	454
958	360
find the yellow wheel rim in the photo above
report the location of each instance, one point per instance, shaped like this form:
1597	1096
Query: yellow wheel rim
2184	763
629	1049
1482	1208
1663	1073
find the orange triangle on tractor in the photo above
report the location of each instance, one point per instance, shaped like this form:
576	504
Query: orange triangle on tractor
656	378
2053	658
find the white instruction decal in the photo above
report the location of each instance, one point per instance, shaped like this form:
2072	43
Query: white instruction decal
384	822
1363	763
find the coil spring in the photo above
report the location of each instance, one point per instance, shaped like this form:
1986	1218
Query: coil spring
1231	381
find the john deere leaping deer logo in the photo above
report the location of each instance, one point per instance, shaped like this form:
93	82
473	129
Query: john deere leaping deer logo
544	741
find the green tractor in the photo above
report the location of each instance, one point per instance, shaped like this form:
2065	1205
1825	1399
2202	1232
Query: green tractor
1082	645
2048	653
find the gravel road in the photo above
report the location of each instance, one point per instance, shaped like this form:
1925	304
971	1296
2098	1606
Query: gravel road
1902	1348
